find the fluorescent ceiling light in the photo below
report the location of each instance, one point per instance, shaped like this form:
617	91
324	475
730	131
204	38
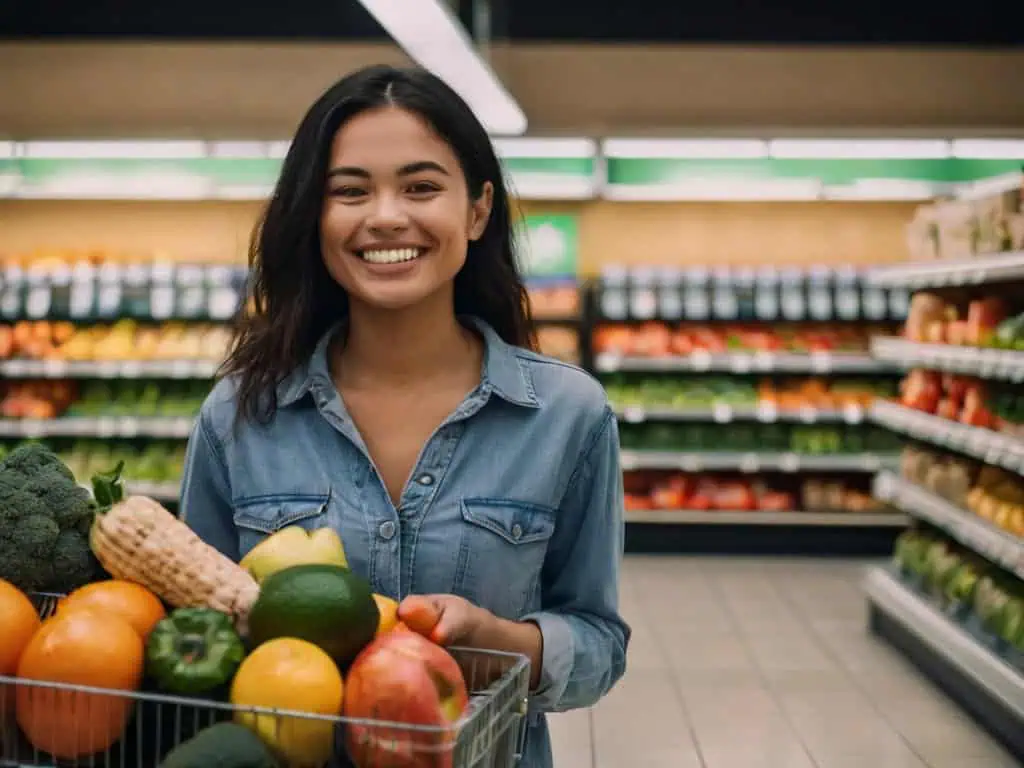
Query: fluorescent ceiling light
431	35
818	149
133	150
685	148
989	149
553	147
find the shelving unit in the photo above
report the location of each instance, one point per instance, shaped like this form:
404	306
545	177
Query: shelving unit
953	600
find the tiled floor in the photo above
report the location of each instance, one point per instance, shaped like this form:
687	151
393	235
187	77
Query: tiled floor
750	663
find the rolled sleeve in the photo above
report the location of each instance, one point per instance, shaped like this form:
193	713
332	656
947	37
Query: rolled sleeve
585	639
205	503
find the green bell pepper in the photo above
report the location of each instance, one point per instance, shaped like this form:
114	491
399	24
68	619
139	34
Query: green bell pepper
193	651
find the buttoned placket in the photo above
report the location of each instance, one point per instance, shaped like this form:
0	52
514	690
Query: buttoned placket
396	536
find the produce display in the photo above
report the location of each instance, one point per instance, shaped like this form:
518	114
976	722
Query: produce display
991	493
553	298
147	461
981	322
50	398
122	340
991	405
803	439
659	339
559	341
162	611
659	490
987	601
783	393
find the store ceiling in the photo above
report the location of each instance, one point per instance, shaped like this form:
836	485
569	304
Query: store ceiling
982	22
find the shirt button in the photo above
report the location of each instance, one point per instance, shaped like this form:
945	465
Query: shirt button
425	479
517	531
386	530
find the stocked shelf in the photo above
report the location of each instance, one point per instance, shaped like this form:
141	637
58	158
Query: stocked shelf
950	273
723	414
701	361
108	369
121	426
998	546
970	361
983	444
781	518
752	462
951	654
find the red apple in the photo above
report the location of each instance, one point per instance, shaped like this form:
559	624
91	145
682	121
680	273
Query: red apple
402	678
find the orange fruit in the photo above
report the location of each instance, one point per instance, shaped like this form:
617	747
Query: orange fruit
19	620
79	647
293	674
132	602
388	610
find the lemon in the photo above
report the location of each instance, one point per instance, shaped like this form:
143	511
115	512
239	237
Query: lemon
290	674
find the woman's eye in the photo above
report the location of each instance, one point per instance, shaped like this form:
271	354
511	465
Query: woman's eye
423	188
346	192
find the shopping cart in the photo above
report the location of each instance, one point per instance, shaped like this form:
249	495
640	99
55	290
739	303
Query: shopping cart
148	724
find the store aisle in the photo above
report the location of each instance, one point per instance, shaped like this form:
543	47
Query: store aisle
751	663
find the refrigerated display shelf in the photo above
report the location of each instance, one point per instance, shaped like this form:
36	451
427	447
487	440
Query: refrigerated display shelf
981	681
723	414
761	517
100	427
108	369
971	361
749	463
166	493
950	273
994	544
742	363
983	444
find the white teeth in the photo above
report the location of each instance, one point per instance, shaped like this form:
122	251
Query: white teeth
392	256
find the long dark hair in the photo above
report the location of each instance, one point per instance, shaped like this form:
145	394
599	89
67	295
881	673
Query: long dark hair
293	300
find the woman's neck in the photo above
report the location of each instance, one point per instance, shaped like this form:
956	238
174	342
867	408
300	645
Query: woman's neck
398	348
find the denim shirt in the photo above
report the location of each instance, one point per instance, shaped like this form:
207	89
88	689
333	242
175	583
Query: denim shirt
515	503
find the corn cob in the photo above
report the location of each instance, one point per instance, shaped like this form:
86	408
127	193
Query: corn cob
139	540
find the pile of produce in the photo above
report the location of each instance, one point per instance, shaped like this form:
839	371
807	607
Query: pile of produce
783	393
984	322
989	601
991	493
139	398
988	404
123	340
656	339
669	491
290	628
147	461
812	439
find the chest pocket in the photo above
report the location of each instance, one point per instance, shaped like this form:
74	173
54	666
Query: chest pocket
258	518
501	553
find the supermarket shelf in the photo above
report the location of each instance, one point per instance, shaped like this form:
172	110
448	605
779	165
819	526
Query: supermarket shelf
760	517
108	369
972	361
162	492
742	362
983	444
992	543
101	427
981	681
950	273
723	414
708	461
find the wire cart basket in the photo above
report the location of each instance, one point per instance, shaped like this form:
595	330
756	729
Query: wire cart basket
121	729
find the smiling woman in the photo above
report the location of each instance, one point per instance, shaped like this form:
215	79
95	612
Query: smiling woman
385	385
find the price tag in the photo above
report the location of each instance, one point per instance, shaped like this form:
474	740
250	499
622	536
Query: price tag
689	462
740	363
128	427
161	301
109	303
181	427
131	369
222	303
789	462
54	369
764	361
749	463
107	369
627	460
853	414
15	368
33	429
634	414
721	414
700	360
80	299
808	415
821	362
608	362
106	427
181	369
37	302
767	412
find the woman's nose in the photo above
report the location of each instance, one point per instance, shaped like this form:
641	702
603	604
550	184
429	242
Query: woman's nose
388	212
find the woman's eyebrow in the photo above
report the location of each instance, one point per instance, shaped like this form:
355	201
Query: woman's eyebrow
405	170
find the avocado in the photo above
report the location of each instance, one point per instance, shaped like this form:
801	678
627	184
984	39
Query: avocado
225	745
327	605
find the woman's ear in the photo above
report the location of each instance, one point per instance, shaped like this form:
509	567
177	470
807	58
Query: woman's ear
480	211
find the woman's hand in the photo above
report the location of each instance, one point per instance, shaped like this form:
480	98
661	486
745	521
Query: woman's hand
444	619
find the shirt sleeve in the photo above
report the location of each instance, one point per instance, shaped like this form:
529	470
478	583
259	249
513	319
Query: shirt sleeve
585	638
205	503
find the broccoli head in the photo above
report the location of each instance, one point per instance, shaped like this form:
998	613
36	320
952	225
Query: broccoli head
65	501
30	459
74	564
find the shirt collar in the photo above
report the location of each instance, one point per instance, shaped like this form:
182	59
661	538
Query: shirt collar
505	371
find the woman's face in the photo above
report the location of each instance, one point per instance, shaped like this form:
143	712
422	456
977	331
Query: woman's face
397	217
